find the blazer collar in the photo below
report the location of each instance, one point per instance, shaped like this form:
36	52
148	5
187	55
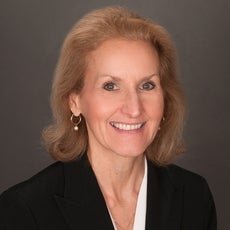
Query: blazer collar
83	205
164	199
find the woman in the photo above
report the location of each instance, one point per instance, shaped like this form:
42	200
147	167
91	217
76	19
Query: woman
118	118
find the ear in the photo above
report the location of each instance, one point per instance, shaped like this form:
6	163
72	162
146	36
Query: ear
74	104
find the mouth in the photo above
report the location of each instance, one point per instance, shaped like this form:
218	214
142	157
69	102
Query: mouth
127	127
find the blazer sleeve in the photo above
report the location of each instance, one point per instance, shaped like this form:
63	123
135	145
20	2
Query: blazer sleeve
210	209
14	213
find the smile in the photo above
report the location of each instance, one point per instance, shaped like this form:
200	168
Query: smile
126	126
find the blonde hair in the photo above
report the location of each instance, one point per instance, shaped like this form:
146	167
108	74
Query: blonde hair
65	144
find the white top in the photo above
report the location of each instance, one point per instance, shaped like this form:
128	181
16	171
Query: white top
140	214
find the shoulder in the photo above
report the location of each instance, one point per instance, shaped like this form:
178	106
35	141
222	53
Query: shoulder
21	203
172	175
197	197
195	186
184	176
48	181
194	189
176	174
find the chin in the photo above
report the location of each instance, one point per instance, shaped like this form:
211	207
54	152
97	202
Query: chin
130	153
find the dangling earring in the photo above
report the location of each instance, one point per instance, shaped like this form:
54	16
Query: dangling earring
76	120
163	119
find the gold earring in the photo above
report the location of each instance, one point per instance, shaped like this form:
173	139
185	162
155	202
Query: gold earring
76	120
163	119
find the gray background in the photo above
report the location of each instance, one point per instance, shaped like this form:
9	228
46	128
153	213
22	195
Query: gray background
31	33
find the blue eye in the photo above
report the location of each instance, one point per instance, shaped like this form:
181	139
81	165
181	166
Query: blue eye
110	86
147	86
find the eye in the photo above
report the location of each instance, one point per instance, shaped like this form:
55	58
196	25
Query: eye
147	86
110	86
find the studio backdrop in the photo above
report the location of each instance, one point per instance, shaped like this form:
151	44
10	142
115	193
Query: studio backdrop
31	34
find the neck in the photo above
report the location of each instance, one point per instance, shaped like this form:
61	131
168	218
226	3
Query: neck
118	176
119	179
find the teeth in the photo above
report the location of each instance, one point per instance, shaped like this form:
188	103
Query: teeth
126	126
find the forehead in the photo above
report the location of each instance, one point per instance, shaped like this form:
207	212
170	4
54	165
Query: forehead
120	56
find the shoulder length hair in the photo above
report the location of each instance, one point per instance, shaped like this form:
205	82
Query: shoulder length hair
65	144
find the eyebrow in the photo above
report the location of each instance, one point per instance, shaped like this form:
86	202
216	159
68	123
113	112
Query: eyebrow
150	76
116	78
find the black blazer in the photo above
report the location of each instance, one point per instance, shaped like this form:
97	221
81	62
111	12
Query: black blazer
66	196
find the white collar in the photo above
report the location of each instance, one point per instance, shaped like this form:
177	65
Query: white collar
139	220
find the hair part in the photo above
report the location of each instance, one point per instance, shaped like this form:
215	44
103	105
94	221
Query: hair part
65	144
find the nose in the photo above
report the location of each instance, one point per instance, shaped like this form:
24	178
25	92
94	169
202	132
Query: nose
132	104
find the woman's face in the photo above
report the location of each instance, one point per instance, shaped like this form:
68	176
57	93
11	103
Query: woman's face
122	100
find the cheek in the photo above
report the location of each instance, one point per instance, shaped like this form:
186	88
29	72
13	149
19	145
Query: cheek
160	107
97	107
155	107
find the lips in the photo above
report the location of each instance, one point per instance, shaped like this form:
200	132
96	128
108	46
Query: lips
127	127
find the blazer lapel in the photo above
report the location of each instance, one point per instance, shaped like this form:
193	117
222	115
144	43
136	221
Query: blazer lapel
164	200
83	205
